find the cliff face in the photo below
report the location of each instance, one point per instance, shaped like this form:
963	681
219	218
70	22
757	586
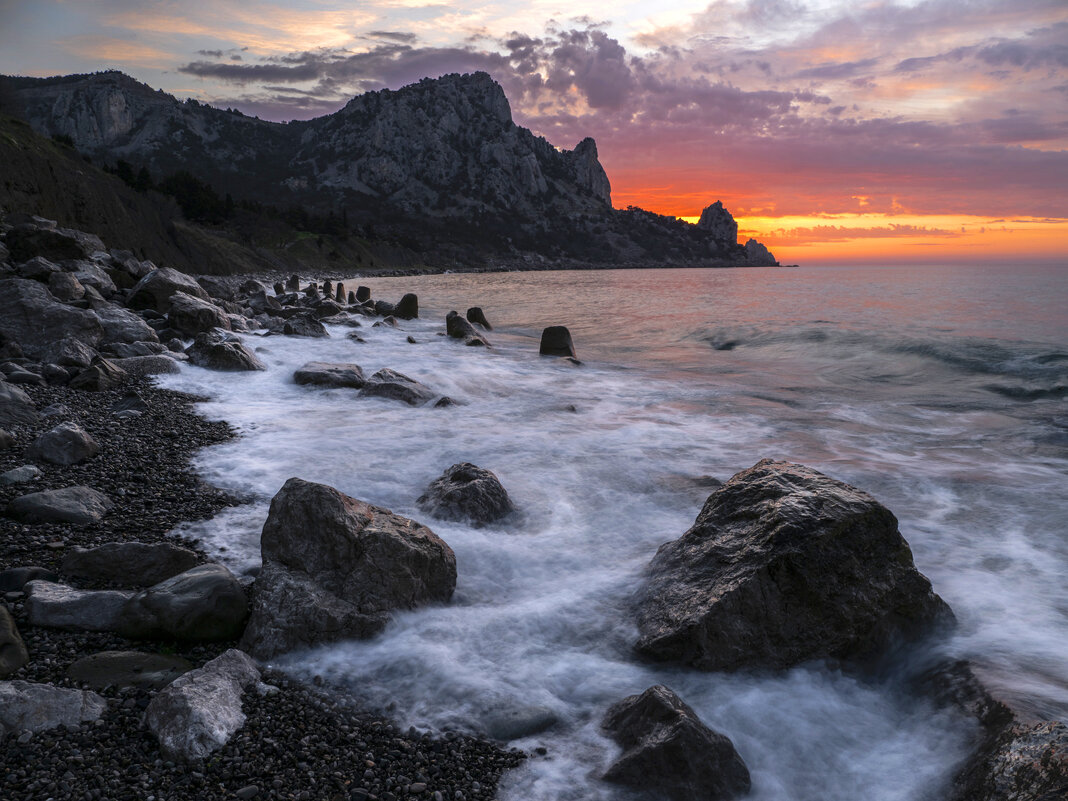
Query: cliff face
438	165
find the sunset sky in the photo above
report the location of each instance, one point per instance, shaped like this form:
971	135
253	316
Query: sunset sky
835	131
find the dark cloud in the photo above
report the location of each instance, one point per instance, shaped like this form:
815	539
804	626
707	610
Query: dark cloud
837	70
210	53
396	36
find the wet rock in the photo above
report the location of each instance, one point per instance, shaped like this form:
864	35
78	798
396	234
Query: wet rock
279	288
191	315
339	293
65	287
363	293
466	492
61	607
197	713
390	321
326	308
102	375
784	565
519	722
330	374
15	578
335	567
26	706
1025	761
122	325
19	475
155	290
352	298
66	444
670	753
90	274
69	352
408	307
301	326
129	350
476	316
128	669
13	653
133	564
30	316
216	351
556	341
459	328
78	505
204	604
293	283
383	308
16	408
390	384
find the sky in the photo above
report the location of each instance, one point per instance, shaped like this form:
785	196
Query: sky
910	131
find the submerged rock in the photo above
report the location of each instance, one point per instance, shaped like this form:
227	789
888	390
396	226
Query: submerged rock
784	565
477	316
335	568
459	328
670	753
390	384
466	492
330	374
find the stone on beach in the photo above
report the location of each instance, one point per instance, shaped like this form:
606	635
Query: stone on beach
66	444
217	350
100	376
197	713
30	316
466	492
191	315
79	505
782	566
335	568
61	607
203	604
556	341
408	307
669	752
13	653
28	706
155	290
133	564
16	408
330	374
128	669
459	328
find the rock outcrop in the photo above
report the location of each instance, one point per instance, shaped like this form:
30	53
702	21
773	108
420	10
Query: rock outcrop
330	374
335	568
669	753
784	565
719	222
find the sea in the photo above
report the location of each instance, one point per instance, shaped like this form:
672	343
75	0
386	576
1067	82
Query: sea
941	390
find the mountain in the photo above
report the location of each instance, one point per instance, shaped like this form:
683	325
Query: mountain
438	167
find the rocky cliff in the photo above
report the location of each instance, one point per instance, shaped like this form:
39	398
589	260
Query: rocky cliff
438	166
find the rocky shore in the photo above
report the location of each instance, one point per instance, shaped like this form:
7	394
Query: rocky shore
127	658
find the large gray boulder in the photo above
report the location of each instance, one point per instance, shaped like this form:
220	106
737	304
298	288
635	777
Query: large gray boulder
132	564
58	606
128	669
69	352
784	565
30	316
302	326
122	326
66	444
79	505
140	366
203	604
330	374
26	706
335	568
390	384
65	287
16	408
154	291
197	713
13	653
90	273
218	351
669	753
466	492
191	315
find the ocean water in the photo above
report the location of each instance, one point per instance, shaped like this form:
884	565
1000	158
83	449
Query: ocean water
941	391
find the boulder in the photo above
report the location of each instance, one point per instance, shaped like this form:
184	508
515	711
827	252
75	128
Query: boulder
154	291
390	384
476	316
466	492
58	606
757	255
89	273
383	308
69	352
16	408
408	307
132	564
1025	761
122	325
516	723
191	315
128	669
100	376
30	316
339	293
79	505
19	475
197	713
459	328
363	293
293	283
15	578
556	341
141	366
7	439
330	374
13	653
301	326
217	351
41	237
326	308
65	287
335	568
27	706
21	376
204	604
39	269
66	444
127	350
784	565
670	753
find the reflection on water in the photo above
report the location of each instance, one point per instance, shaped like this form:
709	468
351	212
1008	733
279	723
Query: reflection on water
939	391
